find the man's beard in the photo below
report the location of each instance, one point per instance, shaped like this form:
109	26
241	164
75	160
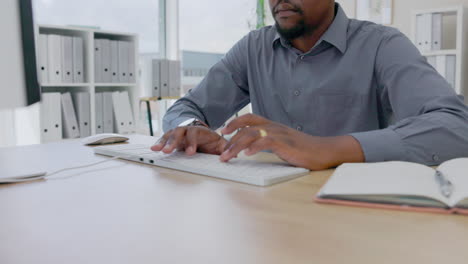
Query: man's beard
292	33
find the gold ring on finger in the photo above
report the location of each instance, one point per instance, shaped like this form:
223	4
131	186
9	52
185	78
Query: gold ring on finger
263	133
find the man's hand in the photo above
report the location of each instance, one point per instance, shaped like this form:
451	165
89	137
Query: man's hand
191	139
296	148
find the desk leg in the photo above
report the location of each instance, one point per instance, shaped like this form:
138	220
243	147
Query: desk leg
150	119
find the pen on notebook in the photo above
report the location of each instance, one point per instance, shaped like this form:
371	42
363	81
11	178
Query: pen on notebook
445	185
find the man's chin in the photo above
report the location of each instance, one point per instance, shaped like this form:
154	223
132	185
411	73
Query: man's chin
287	25
290	31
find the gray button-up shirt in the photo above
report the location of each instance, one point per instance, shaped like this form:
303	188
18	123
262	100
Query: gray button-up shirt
360	79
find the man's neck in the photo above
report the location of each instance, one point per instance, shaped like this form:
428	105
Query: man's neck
307	41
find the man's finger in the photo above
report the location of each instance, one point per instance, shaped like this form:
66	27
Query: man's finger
191	141
242	142
244	121
161	141
235	138
264	143
176	138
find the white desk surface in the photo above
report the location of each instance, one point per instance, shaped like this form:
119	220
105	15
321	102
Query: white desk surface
124	212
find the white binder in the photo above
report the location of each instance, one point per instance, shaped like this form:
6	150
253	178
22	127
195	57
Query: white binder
43	68
114	50
54	58
70	123
131	62
119	115
441	63
436	31
46	101
97	61
99	113
108	112
156	78
123	61
427	40
419	32
67	59
106	61
83	110
450	70
51	117
164	78
128	113
78	57
174	78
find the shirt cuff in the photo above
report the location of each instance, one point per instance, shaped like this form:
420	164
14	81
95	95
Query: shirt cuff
176	122
381	145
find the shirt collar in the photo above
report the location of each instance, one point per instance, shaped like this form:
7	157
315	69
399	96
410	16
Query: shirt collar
336	34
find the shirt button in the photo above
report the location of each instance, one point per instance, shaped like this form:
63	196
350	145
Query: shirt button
297	92
302	57
299	128
435	157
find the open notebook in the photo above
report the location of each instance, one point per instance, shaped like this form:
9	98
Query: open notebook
400	185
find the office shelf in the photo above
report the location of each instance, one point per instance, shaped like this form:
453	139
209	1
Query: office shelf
439	52
453	40
114	84
64	84
90	85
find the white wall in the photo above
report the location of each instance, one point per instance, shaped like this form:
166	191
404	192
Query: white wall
7	131
349	7
18	126
27	125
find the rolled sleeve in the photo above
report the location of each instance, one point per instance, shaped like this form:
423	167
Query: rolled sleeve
175	122
381	145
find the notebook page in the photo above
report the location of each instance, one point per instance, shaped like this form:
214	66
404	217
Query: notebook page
395	178
456	171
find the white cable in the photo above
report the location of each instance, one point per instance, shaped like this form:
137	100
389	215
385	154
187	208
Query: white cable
82	166
28	177
42	175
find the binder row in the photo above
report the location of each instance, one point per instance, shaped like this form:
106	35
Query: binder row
60	59
61	119
114	113
166	78
446	66
68	115
114	61
429	31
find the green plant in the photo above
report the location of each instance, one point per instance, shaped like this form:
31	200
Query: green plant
261	14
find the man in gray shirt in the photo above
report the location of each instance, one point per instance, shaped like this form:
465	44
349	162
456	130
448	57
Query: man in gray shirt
324	90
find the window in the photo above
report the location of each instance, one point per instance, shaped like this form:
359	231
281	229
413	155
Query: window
129	16
214	26
208	29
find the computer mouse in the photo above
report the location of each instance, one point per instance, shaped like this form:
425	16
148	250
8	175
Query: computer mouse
101	139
